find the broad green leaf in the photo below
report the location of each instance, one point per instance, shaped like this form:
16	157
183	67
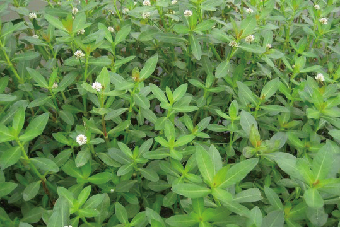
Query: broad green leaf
9	157
149	67
31	190
273	198
255	217
142	101
205	164
222	69
179	92
195	47
45	164
122	34
67	117
94	201
121	213
149	174
287	162
55	22
322	163
248	196
247	26
124	169
191	190
6	188
313	198
83	157
37	77
84	195
239	171
183	140
274	219
158	93
100	178
181	220
66	194
245	93
270	88
246	121
71	169
7	98
205	25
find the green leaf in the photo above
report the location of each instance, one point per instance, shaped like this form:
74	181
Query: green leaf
181	220
100	178
33	215
248	196
195	47
274	219
273	198
179	92
246	121
122	34
222	69
270	88
45	164
255	217
67	117
149	174
9	157
37	77
55	22
245	93
39	102
142	101
124	169
247	26
94	201
66	194
83	157
313	198
205	164
158	93
5	134
7	98
121	213
6	188
149	67
71	169
19	119
31	190
84	195
239	171
183	140
322	163
205	25
191	190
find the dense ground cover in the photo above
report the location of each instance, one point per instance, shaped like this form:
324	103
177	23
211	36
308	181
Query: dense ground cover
170	113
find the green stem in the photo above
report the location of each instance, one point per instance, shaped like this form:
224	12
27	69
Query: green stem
10	64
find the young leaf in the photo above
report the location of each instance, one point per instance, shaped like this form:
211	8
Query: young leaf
205	164
45	164
195	47
37	77
273	198
149	67
190	190
313	198
31	190
121	213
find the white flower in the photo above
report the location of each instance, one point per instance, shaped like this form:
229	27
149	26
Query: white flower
146	3
81	139
188	13
323	20
35	36
58	3
269	45
55	85
111	12
320	77
134	3
317	7
233	44
79	54
32	16
97	86
110	29
81	32
112	190
173	2
293	66
146	15
74	10
250	38
249	10
125	10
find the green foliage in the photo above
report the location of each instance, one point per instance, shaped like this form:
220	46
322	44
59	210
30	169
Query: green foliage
170	113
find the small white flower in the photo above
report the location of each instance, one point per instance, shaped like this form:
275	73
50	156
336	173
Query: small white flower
173	2
146	3
233	44
35	36
32	16
74	10
97	86
269	45
81	139
79	54
58	3
187	13
111	12
125	10
250	38
320	77
293	66
323	20
55	85
110	29
317	7
249	10
112	190
81	32
146	15
134	3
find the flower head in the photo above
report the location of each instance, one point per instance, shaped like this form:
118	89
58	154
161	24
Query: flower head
32	16
81	32
233	44
323	20
187	13
173	2
317	7
125	10
250	38
249	10
81	139
35	36
79	54
320	77
55	85
134	3
146	15
269	45
110	29
112	190
97	86
146	3
74	10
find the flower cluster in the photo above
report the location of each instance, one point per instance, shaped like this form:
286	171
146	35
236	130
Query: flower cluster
146	15
187	13
249	10
110	29
81	139
74	10
32	16
35	36
320	77
173	2
317	7
233	44
55	85
250	38
146	3
97	86
79	54
81	32
323	20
